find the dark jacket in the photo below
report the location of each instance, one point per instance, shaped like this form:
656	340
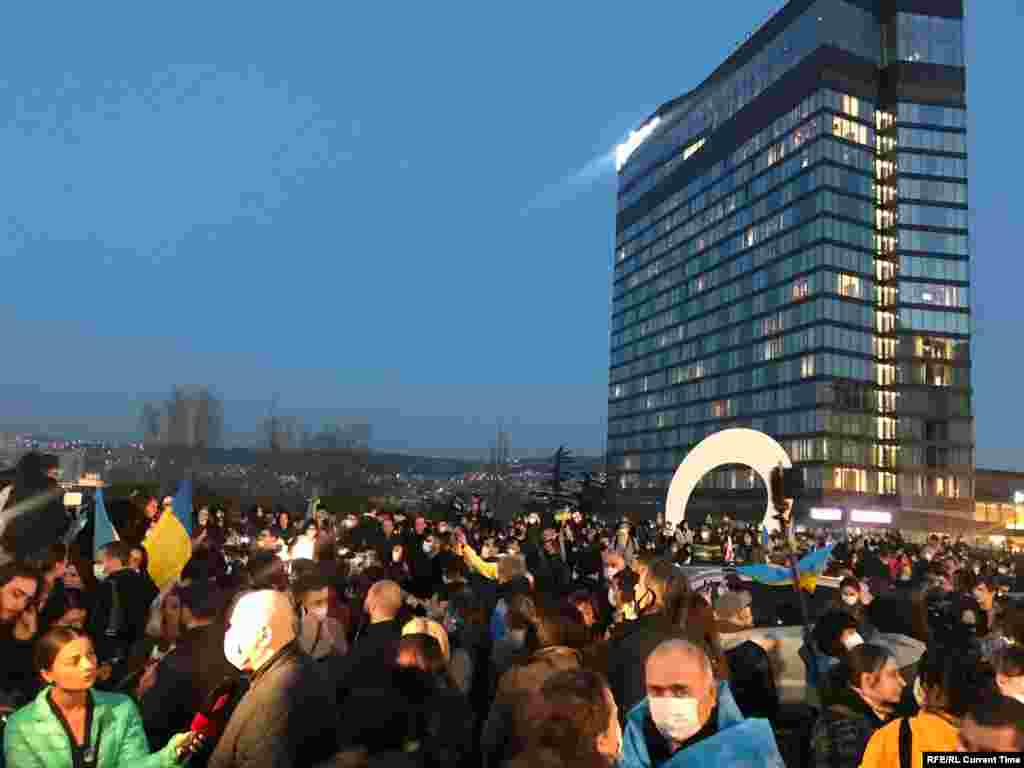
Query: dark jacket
409	710
18	680
287	718
185	679
374	653
518	682
119	612
842	731
630	645
752	681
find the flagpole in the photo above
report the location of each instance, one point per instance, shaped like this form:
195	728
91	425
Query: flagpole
786	522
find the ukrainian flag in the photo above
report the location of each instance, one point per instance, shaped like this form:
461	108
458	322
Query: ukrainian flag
182	505
103	531
810	567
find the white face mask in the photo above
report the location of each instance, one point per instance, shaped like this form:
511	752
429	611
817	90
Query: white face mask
609	573
676	719
851	599
427	547
852	641
98	572
233	650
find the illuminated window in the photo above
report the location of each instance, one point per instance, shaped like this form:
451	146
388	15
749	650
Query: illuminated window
885	455
721	409
850	130
850	285
886	428
933	348
807	366
851	105
884	348
801	289
847	479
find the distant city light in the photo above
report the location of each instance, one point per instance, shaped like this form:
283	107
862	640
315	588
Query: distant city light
630	145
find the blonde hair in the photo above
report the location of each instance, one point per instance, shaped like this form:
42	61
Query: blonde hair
419	626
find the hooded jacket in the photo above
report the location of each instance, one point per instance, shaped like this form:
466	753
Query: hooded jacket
737	741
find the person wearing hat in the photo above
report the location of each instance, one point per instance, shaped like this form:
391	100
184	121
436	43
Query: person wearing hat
750	668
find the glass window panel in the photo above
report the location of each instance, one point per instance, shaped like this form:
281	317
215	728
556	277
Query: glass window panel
929	39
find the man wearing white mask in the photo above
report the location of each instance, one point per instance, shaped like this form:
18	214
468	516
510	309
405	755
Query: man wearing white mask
287	717
690	719
319	634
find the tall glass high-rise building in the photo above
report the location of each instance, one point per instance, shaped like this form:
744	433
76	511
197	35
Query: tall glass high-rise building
792	256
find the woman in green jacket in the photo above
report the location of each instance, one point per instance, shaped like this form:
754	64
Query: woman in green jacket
69	725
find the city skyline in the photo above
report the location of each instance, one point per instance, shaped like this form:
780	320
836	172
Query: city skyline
419	364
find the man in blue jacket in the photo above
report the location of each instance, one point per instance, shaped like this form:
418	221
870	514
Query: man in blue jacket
689	720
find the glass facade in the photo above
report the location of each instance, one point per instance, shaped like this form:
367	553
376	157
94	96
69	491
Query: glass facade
809	281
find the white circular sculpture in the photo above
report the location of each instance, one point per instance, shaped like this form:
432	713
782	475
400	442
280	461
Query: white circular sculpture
730	446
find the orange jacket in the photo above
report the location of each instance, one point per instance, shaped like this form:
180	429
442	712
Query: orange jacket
930	732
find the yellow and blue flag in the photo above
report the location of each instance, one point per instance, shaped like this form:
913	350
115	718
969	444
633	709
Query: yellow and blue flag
811	566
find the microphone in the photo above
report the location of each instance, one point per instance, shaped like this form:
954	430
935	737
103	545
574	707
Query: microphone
209	722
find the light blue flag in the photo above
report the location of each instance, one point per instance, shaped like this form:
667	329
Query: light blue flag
810	566
183	505
815	561
103	530
770	575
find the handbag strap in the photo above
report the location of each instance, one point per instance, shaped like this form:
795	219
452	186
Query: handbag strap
906	742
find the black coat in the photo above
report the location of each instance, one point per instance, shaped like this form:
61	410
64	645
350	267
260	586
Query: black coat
185	679
375	653
630	645
287	718
752	681
119	612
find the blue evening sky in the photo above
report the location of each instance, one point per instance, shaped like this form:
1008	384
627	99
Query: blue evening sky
401	211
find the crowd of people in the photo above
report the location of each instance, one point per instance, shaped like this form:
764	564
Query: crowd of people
383	639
